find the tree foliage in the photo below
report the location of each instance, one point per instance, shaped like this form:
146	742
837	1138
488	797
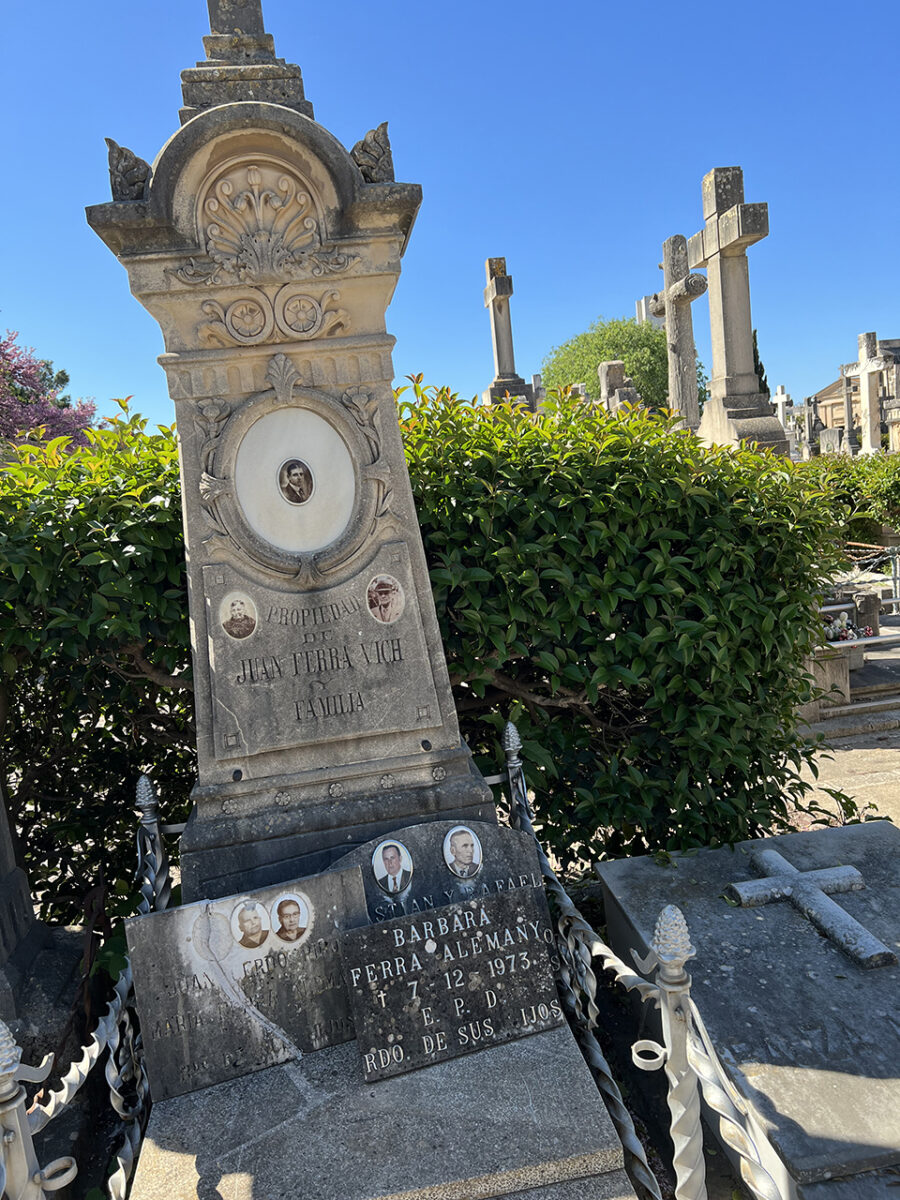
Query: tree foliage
641	347
639	604
31	399
759	368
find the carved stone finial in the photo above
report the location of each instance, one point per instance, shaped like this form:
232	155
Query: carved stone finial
128	174
510	741
671	939
373	156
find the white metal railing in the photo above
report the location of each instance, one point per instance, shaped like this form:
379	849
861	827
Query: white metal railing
21	1177
686	1053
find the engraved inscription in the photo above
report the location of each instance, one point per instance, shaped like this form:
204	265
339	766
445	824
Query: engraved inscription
468	976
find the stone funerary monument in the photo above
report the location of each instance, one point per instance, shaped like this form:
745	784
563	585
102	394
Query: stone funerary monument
268	255
344	874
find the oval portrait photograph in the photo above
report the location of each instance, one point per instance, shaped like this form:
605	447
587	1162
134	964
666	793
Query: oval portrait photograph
237	615
291	917
385	599
295	480
250	924
393	867
462	852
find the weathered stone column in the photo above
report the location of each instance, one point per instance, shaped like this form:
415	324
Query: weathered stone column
496	301
616	388
870	368
737	411
268	254
680	289
850	443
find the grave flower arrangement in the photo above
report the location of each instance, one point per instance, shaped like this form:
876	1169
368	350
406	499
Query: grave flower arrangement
842	629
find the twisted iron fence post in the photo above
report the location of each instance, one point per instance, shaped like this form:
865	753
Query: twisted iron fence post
578	945
21	1176
153	863
669	951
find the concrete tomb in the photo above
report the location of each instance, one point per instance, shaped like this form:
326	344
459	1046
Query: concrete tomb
268	254
507	382
336	807
797	980
648	312
736	411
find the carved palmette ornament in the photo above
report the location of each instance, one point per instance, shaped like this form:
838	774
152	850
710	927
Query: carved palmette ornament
259	222
254	319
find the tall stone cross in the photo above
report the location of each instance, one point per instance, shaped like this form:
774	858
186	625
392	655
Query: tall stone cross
680	289
808	892
737	411
496	300
782	401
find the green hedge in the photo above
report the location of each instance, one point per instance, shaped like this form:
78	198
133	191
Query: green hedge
868	485
640	605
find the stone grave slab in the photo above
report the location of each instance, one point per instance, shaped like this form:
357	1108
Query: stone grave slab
231	986
426	873
523	1120
803	1017
428	988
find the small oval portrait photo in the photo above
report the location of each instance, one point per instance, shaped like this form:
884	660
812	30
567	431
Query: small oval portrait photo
385	599
393	867
462	852
250	924
237	615
291	917
295	481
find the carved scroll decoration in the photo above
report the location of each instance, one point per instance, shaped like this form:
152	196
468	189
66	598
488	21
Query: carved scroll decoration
353	414
254	318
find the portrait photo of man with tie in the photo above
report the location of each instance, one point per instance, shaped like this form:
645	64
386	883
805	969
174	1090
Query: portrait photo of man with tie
393	867
462	852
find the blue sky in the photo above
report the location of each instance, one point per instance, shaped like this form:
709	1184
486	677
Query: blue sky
569	138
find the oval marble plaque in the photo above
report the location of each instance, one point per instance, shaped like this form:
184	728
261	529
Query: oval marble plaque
284	436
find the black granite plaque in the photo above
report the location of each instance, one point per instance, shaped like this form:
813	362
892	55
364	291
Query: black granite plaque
442	862
451	981
231	986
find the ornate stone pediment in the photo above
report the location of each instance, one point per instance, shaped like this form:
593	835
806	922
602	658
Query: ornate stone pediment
260	222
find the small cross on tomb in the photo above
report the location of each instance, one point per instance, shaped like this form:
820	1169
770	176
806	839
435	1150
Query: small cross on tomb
807	890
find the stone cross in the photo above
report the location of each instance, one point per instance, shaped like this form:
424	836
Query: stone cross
496	300
680	288
737	410
782	402
808	892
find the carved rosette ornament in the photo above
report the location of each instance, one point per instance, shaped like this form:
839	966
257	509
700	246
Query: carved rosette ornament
254	319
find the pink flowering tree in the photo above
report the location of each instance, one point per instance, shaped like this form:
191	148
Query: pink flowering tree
31	398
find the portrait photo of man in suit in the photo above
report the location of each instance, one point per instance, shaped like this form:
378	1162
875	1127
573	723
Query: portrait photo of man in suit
295	481
462	852
393	867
